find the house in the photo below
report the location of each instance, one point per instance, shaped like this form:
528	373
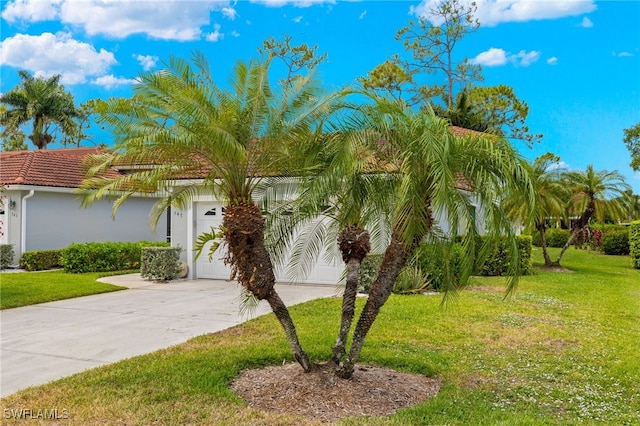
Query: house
40	209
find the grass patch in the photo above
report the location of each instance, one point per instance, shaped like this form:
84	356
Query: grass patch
28	288
563	350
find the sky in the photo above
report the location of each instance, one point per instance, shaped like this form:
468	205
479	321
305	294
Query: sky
576	63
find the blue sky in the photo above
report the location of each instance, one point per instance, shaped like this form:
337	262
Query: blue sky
575	62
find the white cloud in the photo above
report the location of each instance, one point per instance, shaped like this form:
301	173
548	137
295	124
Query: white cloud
166	20
31	10
216	35
229	12
110	81
362	15
622	54
235	33
494	12
525	58
497	57
296	3
48	54
297	19
491	58
586	23
147	61
552	60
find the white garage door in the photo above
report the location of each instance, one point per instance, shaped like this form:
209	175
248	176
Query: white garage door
210	214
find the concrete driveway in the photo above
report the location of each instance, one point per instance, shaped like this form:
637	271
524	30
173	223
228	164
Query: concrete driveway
44	342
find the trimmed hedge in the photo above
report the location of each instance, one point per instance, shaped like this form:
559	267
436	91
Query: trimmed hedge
41	260
556	237
105	256
160	263
615	243
6	255
634	243
497	262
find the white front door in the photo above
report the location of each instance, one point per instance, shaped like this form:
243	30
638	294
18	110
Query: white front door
209	215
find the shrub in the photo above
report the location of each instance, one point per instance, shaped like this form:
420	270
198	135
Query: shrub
557	237
41	260
634	243
104	257
428	263
160	263
368	271
6	255
616	243
498	260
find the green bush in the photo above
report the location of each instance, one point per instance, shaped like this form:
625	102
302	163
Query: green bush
634	243
160	263
497	262
104	257
557	237
368	271
41	260
6	255
429	263
616	242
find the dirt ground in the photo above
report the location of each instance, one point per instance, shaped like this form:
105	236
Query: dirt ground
321	396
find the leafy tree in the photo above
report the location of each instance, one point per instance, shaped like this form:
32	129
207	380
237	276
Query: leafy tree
465	115
432	46
12	137
432	160
295	58
551	195
45	103
387	78
630	202
502	111
632	141
183	123
592	198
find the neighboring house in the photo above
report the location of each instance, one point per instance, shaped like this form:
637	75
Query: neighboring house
40	209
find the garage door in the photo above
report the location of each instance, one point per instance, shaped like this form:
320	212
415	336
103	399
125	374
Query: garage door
210	214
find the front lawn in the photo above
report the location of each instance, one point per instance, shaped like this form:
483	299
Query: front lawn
28	288
562	351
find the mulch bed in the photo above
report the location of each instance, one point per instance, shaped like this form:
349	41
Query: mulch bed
321	396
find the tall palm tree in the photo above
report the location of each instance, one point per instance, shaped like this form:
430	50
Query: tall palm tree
42	101
593	194
432	160
551	195
183	123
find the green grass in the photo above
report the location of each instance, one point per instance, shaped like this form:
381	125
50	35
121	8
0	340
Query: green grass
27	288
562	351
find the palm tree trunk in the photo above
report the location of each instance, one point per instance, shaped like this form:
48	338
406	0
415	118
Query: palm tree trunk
584	221
543	244
251	265
348	309
354	245
395	258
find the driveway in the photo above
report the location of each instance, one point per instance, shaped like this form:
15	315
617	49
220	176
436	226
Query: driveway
48	341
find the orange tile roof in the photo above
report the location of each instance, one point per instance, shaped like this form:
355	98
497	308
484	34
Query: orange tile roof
48	167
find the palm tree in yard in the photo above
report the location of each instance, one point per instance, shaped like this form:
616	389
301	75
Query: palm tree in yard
592	196
431	161
551	195
42	101
185	125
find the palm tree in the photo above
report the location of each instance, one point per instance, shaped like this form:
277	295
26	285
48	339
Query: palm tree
432	160
42	101
551	195
592	192
180	121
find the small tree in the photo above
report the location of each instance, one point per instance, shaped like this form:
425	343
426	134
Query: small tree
632	141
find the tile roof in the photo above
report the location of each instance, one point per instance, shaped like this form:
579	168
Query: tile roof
48	167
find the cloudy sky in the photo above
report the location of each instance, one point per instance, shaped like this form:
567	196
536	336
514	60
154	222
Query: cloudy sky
575	62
